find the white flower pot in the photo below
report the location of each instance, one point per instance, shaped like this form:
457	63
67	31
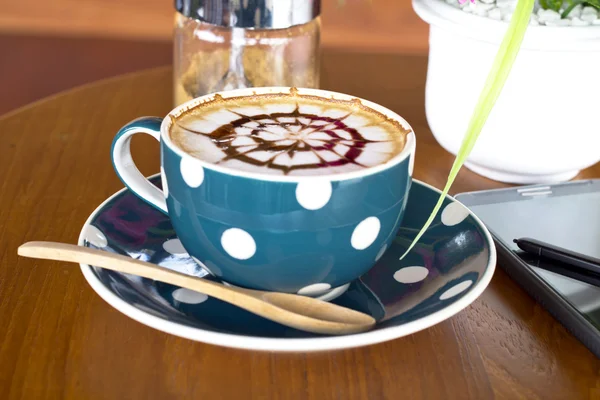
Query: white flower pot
545	127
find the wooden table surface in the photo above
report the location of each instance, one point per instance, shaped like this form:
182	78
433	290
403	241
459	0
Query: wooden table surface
58	339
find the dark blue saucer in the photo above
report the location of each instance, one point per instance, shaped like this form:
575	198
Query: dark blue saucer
445	272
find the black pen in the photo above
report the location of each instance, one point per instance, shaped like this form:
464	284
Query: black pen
560	268
555	253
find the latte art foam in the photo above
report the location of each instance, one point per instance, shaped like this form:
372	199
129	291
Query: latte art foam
288	134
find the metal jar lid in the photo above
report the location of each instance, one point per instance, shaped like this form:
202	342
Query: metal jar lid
251	14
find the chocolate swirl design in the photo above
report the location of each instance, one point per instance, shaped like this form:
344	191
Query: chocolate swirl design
290	141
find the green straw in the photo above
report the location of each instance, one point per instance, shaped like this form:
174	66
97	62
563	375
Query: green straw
509	48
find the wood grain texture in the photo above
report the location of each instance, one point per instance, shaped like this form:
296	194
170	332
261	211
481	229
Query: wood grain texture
59	340
369	25
36	67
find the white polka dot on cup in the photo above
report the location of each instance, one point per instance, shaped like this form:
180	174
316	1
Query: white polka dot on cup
454	213
456	290
174	246
192	171
365	233
316	289
411	274
187	296
95	236
313	195
238	243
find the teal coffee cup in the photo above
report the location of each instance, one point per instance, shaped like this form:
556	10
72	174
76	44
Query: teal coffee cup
304	234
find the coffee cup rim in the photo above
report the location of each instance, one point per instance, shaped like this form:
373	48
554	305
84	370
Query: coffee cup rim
409	146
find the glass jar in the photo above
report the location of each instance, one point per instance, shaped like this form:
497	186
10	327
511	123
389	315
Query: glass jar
229	44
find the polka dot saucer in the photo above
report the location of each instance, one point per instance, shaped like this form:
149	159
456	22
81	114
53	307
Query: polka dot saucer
448	269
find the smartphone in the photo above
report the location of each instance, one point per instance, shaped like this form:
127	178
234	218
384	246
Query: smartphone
565	215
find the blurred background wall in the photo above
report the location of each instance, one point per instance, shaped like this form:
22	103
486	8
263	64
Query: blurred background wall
48	46
373	25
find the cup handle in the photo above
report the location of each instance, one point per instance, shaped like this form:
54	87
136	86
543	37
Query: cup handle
126	169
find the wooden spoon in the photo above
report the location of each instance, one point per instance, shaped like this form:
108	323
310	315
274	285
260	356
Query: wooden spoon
292	310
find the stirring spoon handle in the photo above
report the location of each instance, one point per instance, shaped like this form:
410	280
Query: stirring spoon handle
257	302
115	262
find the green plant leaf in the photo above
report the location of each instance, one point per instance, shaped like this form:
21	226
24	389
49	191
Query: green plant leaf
507	53
554	4
572	5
